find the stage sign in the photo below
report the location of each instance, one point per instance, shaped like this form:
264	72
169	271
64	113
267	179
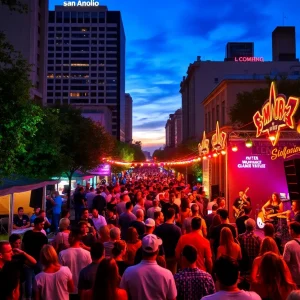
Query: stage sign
285	152
103	170
203	147
277	114
218	140
251	162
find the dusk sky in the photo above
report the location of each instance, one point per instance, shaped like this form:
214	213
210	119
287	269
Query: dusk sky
164	37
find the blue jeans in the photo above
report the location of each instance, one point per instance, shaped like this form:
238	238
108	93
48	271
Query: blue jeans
55	221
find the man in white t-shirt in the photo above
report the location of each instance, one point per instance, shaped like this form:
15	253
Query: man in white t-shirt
291	253
153	209
148	280
97	219
75	257
227	273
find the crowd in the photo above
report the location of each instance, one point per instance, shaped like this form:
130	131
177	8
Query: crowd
149	237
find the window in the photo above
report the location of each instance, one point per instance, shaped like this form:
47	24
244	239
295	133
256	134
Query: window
66	17
80	17
57	80
101	28
80	35
73	17
93	100
65	88
109	55
80	42
208	120
94	17
51	28
65	101
66	48
87	17
58	48
101	48
80	55
38	43
50	55
94	35
111	42
66	29
50	94
94	42
58	68
218	113
111	69
66	35
57	94
51	42
79	88
65	81
111	101
79	48
223	113
50	35
94	28
111	88
205	122
66	61
50	68
111	28
93	88
111	35
50	61
110	49
101	35
59	17
111	62
100	101
93	48
66	68
51	17
111	94
213	117
65	55
101	17
58	28
49	101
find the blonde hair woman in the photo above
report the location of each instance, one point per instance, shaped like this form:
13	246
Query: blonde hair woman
55	282
228	247
268	244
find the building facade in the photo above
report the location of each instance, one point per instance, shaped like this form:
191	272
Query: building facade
174	129
27	32
235	50
128	118
204	76
86	63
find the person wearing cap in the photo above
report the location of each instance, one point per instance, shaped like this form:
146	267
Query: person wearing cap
250	245
191	282
148	280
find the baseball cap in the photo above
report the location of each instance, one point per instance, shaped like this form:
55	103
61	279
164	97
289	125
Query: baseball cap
250	223
150	222
150	243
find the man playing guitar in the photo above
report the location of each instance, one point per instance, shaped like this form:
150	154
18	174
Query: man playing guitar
240	203
296	209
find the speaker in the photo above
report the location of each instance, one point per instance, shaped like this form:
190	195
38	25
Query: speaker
292	173
36	198
215	191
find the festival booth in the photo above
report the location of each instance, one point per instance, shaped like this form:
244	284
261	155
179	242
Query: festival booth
261	161
16	193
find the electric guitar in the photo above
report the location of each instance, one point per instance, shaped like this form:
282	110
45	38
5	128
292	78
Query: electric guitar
261	218
241	207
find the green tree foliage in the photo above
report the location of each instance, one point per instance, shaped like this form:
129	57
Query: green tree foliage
19	117
249	102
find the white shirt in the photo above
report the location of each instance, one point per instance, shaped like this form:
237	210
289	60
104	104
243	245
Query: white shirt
136	207
177	201
291	255
148	281
76	259
98	222
151	211
54	285
240	295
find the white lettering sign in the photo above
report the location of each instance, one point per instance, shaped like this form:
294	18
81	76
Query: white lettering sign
81	3
251	162
247	59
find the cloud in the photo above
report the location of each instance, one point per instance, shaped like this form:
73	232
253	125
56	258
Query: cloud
150	125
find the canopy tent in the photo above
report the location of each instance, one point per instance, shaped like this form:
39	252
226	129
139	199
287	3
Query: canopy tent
76	175
19	185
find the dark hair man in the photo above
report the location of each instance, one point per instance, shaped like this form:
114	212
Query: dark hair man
191	282
20	220
240	221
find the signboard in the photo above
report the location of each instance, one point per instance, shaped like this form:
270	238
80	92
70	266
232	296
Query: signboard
277	114
81	3
103	170
251	162
218	140
249	59
203	147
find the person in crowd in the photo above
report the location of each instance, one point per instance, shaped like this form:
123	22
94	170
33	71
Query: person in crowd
296	211
275	280
115	235
294	295
118	252
79	203
86	218
228	246
184	211
186	226
121	206
6	253
139	224
111	217
140	204
158	218
291	253
215	222
104	234
147	280
171	204
47	223
148	202
170	234
75	258
191	282
97	219
61	240
133	244
250	245
56	210
125	219
107	281
209	218
10	282
32	243
55	281
227	273
89	198
21	221
240	221
88	274
194	238
269	231
216	231
153	209
36	212
204	201
87	238
267	245
65	213
211	203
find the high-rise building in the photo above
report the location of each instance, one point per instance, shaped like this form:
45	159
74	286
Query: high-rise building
128	118
27	32
86	62
174	129
170	132
235	50
284	43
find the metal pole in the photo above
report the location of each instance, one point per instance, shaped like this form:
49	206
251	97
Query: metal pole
11	214
226	180
44	197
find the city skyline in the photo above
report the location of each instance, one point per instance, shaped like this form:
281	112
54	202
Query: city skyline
158	53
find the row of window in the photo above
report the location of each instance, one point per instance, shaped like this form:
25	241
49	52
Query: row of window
81	94
76	17
92	55
83	81
77	75
82	35
87	61
78	55
82	42
82	49
212	117
81	101
82	29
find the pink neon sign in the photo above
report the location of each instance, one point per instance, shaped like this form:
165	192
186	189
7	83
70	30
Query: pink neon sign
249	59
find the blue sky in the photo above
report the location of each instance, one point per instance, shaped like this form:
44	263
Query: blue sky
163	37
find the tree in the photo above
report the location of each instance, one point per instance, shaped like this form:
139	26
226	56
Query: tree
249	102
19	116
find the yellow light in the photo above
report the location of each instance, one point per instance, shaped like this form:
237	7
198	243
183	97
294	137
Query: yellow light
223	152
215	155
272	138
248	143
298	128
234	148
204	157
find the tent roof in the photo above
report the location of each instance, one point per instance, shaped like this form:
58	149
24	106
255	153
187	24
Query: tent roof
22	184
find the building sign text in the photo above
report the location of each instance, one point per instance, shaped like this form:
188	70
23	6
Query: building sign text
81	3
285	152
251	162
249	59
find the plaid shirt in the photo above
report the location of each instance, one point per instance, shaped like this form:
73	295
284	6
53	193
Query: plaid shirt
250	244
193	284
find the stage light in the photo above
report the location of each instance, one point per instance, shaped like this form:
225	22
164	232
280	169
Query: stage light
234	148
248	143
204	157
215	155
272	138
298	127
223	152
